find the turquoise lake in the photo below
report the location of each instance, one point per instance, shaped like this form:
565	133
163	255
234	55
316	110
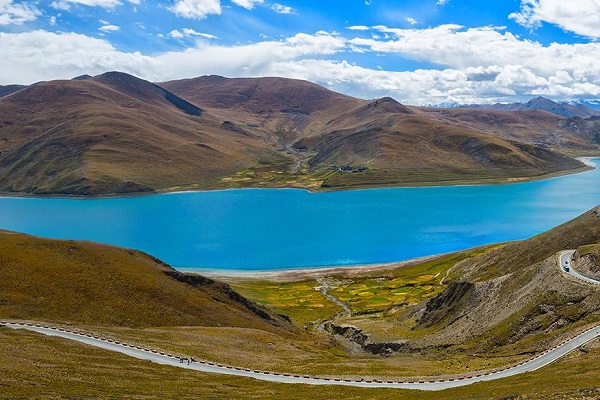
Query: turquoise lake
266	229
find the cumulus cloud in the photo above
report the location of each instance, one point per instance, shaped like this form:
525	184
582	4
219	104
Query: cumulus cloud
247	4
175	34
455	47
196	9
17	13
39	55
581	17
484	64
411	20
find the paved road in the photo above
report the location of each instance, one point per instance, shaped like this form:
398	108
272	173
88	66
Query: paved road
430	384
564	258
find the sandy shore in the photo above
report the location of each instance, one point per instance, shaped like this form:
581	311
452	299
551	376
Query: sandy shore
305	273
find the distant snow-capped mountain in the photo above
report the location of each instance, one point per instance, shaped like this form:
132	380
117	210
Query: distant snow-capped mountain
577	108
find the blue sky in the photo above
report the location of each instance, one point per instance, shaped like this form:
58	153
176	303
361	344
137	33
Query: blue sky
417	51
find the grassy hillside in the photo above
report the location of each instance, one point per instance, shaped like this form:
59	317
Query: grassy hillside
35	366
515	296
474	307
343	142
87	283
586	261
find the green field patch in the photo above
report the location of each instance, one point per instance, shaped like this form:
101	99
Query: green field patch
298	300
371	293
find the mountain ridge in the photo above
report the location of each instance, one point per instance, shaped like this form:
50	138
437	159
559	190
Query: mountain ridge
117	134
563	109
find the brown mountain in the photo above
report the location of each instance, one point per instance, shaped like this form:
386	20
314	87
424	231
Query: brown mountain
115	133
535	127
9	89
111	134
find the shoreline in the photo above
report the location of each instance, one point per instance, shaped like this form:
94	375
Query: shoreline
293	274
589	166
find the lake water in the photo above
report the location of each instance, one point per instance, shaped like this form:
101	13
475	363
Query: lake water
264	229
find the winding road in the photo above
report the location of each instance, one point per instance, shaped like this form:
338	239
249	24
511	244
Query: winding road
159	357
565	259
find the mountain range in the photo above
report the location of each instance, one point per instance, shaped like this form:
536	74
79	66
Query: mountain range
115	133
563	109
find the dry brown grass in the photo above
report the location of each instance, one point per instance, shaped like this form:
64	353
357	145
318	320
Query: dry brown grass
40	367
88	283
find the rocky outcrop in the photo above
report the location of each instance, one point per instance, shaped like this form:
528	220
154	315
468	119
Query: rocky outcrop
587	264
358	339
445	303
199	280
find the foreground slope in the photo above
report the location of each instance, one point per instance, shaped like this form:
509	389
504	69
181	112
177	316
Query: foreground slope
501	304
88	283
35	366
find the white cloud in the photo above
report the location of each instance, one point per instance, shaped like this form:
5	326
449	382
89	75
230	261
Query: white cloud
17	13
247	4
581	17
187	32
39	55
66	4
411	20
106	4
358	28
281	9
476	65
109	28
175	34
455	47
442	2
196	9
60	5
